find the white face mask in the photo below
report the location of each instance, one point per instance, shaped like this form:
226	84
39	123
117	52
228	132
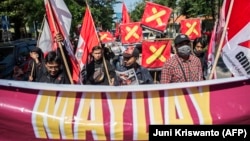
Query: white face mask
184	50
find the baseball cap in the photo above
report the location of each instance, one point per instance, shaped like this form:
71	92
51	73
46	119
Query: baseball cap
181	38
131	51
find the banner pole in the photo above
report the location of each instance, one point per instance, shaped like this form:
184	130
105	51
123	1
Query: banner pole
221	40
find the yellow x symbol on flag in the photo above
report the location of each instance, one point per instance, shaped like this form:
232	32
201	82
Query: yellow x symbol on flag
156	16
105	36
132	32
156	54
191	28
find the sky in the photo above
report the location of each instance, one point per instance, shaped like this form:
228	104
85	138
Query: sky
129	4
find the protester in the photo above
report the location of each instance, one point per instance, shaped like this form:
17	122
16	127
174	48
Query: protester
130	57
53	72
199	49
183	66
35	65
96	73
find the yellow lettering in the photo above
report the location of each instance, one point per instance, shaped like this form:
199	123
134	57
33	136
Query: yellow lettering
139	120
178	107
202	98
50	112
91	106
118	101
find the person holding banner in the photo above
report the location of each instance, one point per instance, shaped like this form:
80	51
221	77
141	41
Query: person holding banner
96	73
183	66
130	56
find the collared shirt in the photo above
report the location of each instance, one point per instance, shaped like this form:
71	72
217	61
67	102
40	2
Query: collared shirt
172	71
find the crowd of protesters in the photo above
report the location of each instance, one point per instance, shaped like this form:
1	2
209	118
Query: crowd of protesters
186	64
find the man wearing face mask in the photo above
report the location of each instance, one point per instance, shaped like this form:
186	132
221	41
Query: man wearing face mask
183	66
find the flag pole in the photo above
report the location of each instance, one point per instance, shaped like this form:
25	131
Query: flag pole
221	40
103	57
60	47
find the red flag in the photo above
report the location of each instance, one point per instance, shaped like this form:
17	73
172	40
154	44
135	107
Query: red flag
87	40
59	19
52	24
191	27
131	33
156	16
117	30
235	51
154	54
106	37
211	51
125	15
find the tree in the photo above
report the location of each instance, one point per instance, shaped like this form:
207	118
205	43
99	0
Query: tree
27	12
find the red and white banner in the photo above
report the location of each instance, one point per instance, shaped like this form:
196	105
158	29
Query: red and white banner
59	21
236	47
156	16
87	40
131	33
80	112
191	27
155	54
211	50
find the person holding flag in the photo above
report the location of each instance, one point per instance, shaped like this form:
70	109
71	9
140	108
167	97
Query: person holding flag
96	73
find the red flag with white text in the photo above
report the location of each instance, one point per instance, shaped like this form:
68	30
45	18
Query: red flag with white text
155	54
236	47
156	16
87	40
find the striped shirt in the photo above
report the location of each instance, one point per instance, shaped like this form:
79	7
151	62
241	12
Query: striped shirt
172	72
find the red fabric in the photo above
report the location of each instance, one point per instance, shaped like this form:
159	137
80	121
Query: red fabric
125	15
87	40
155	54
56	26
106	37
131	33
51	22
191	27
156	16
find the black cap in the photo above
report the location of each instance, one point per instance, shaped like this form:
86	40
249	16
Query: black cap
181	38
131	51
